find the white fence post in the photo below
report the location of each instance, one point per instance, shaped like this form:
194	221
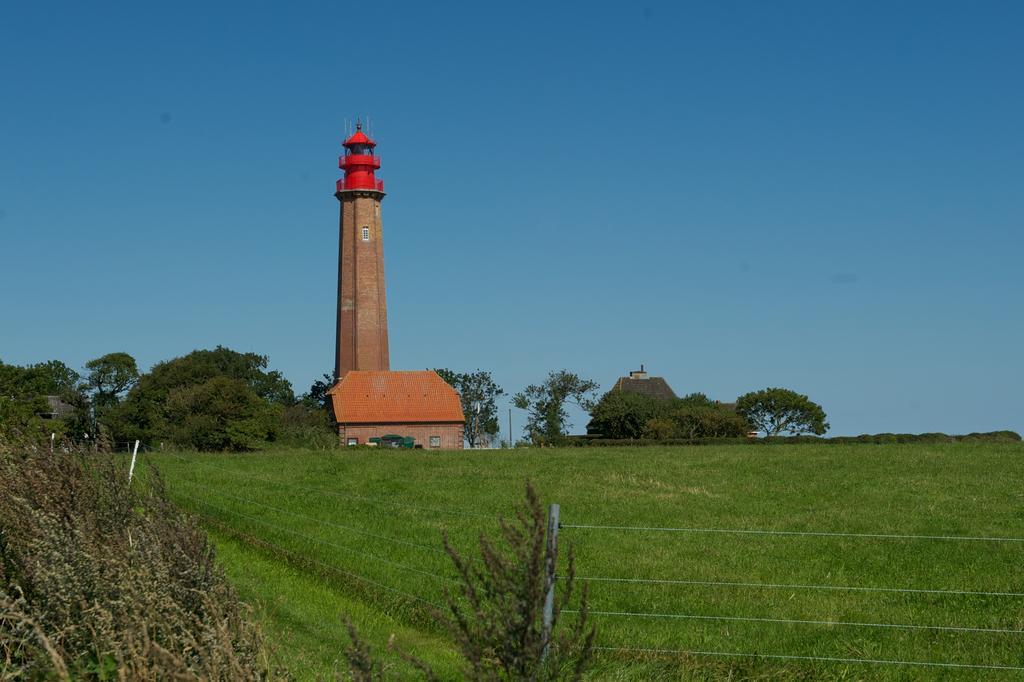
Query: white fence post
131	469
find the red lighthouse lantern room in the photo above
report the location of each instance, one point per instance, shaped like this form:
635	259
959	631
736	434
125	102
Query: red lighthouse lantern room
359	163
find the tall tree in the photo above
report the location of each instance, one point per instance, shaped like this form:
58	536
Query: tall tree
777	410
144	414
41	379
478	392
316	396
28	396
109	376
220	414
545	402
621	414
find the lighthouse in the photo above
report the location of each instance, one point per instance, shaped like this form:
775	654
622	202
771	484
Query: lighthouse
361	342
370	404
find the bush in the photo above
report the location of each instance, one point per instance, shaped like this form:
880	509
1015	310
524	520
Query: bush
588	442
144	414
659	429
304	426
495	616
625	415
709	422
220	414
495	612
775	411
20	425
621	414
998	436
878	438
102	580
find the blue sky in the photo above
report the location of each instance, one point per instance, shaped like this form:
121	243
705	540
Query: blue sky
822	196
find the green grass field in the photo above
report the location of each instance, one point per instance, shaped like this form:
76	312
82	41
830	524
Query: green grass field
309	536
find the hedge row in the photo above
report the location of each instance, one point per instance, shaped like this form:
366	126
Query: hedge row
990	436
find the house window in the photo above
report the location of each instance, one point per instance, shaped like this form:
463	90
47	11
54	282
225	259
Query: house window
366	234
435	441
353	441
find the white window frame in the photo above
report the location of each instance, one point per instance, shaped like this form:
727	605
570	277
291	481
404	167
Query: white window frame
366	233
434	439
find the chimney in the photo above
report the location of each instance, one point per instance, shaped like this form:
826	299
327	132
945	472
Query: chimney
638	374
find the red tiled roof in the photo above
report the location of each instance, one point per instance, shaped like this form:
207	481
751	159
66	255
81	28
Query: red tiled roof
363	397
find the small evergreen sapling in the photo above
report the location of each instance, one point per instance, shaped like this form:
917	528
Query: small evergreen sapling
496	616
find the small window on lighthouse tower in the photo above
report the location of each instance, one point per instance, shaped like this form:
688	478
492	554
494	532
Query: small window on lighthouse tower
366	234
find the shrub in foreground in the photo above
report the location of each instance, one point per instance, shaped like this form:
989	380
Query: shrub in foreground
495	613
99	580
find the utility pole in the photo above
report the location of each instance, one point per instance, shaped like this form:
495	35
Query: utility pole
476	423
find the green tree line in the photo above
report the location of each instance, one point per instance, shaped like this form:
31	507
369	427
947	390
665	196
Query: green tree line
216	399
224	400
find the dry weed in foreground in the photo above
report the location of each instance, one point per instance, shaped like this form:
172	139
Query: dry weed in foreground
99	580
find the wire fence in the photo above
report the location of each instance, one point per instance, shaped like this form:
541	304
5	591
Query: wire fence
797	586
795	533
800	621
585	528
216	506
819	659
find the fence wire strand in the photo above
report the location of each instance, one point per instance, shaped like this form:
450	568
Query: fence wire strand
829	534
823	659
798	621
796	586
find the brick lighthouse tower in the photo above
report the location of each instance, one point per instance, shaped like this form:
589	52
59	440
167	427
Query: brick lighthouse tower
370	404
362	336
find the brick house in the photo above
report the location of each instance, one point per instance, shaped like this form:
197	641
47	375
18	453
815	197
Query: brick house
372	404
